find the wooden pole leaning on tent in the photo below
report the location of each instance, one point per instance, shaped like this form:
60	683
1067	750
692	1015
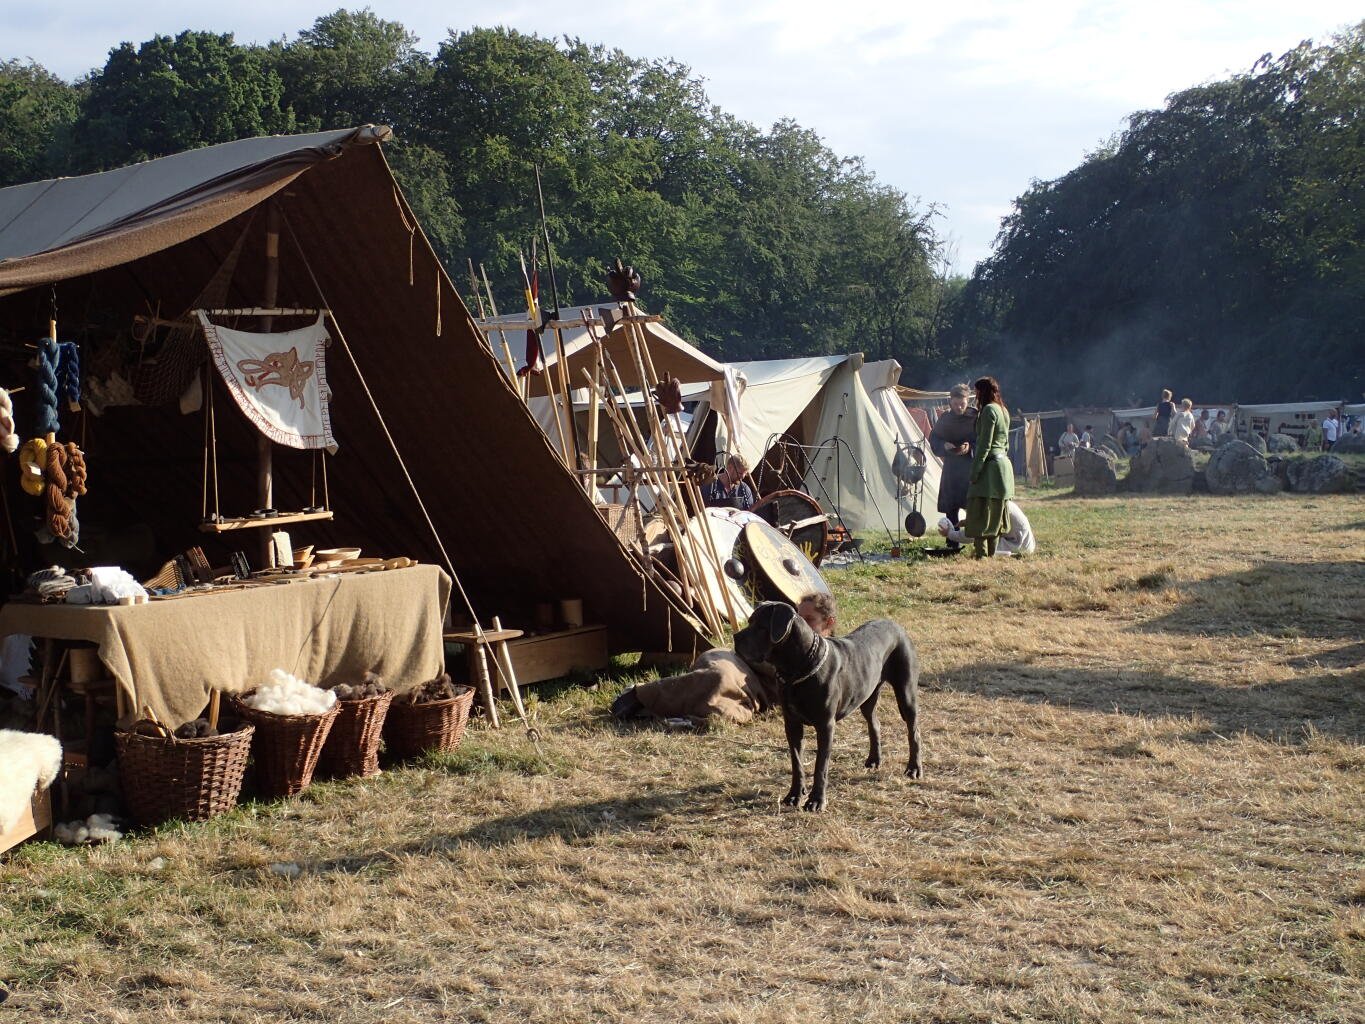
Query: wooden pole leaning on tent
632	443
670	501
506	349
565	395
697	506
673	449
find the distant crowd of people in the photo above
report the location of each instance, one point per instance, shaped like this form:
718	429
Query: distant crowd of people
1179	423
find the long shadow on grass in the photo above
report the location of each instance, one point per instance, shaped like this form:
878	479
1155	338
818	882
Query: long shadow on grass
571	822
1288	599
1333	704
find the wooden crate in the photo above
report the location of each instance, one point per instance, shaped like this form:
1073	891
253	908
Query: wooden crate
552	655
37	819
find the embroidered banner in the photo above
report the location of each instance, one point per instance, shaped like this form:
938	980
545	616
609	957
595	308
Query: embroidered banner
278	380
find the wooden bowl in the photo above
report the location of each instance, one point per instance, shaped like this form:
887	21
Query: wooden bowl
324	555
303	557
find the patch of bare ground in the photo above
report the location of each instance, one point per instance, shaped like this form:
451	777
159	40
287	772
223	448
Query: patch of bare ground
1143	801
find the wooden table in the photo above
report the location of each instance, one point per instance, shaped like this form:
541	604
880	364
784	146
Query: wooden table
169	655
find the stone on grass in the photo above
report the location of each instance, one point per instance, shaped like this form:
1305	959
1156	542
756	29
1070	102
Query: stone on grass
1096	473
1238	468
1349	444
1163	467
1281	443
1325	474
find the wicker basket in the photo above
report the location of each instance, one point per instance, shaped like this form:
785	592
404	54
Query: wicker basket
411	729
195	780
352	746
286	747
624	521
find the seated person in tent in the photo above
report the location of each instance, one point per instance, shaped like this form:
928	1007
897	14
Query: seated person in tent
728	489
719	684
951	440
1016	540
1088	438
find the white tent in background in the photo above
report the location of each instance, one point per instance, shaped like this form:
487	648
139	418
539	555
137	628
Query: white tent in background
818	399
881	381
1291	418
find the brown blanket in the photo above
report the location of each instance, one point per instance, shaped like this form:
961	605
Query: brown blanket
719	684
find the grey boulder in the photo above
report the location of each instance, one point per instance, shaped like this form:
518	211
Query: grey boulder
1096	472
1238	468
1163	467
1325	474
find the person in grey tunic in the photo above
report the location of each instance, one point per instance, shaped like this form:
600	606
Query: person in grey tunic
951	440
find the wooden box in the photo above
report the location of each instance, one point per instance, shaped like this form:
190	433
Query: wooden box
34	821
552	655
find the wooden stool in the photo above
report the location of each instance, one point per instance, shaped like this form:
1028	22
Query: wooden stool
496	639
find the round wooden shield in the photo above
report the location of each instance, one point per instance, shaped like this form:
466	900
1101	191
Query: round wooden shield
797	515
726	526
782	571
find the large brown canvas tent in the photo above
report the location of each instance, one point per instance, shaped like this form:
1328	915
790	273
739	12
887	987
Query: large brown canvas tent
104	247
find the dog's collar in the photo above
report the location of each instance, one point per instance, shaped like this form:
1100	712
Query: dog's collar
819	659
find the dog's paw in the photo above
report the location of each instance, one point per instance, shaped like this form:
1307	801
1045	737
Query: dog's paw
914	771
873	761
815	802
793	797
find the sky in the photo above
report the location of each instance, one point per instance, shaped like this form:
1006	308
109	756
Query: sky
958	105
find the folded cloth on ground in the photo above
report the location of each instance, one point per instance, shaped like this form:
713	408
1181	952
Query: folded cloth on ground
27	760
719	684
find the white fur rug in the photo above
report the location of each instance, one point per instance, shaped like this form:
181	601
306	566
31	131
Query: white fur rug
27	760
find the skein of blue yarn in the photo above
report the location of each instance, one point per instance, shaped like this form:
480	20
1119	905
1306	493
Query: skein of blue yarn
69	371
45	384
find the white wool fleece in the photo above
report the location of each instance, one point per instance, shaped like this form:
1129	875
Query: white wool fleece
27	760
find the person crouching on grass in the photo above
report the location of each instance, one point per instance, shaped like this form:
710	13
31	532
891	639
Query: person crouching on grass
992	475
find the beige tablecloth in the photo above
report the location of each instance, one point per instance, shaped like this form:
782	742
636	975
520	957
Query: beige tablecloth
169	654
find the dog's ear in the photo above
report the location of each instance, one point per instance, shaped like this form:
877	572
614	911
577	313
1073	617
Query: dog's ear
781	619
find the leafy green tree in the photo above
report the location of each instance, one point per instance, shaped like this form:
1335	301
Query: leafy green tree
1215	248
176	93
353	68
36	112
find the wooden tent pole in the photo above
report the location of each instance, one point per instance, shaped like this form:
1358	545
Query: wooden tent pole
265	456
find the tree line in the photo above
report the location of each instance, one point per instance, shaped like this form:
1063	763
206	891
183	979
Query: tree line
753	243
1214	246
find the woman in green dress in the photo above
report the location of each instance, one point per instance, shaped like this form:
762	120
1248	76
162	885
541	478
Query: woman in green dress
992	475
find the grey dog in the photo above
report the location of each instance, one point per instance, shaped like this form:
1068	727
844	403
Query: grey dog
823	680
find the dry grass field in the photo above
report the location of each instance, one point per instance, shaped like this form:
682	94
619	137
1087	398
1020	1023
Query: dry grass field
1144	801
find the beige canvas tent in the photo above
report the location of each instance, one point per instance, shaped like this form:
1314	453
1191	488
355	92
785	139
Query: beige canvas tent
824	404
156	236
